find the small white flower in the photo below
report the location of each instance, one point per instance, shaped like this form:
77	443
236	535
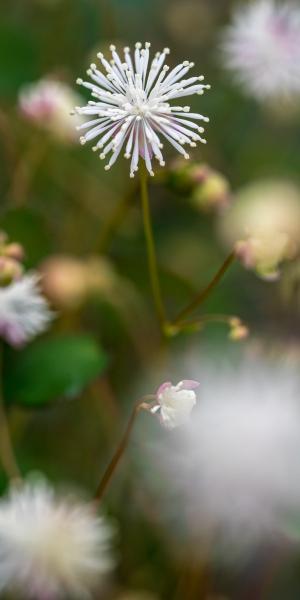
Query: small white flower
262	48
51	548
175	402
24	312
132	106
49	103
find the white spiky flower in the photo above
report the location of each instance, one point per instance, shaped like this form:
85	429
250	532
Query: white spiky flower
262	48
132	107
24	312
51	548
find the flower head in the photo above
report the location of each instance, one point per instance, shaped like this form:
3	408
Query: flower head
262	48
48	103
51	547
24	312
132	107
175	402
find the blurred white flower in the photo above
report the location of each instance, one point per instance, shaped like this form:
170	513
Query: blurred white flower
51	547
132	106
175	402
24	312
49	104
235	468
263	224
262	48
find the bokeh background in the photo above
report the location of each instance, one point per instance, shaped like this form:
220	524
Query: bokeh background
70	391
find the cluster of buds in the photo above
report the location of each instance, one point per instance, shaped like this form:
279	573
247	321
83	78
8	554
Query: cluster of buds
238	330
11	256
208	189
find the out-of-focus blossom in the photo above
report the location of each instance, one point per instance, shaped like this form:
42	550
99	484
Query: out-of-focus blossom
175	402
132	107
263	224
51	547
238	330
69	281
262	48
235	467
24	312
49	103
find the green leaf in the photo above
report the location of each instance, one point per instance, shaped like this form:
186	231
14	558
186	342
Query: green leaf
52	368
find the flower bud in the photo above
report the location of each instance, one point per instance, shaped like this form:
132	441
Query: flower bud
238	331
15	251
10	270
212	191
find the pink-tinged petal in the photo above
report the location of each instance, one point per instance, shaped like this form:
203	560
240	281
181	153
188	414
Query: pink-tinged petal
163	387
189	384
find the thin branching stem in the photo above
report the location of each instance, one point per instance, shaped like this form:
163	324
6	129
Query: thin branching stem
7	455
199	298
143	404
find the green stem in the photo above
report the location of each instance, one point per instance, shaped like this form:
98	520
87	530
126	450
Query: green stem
8	459
152	262
205	319
199	298
108	473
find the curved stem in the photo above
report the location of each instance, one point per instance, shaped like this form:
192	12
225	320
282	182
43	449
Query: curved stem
115	220
205	293
108	473
6	449
152	262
